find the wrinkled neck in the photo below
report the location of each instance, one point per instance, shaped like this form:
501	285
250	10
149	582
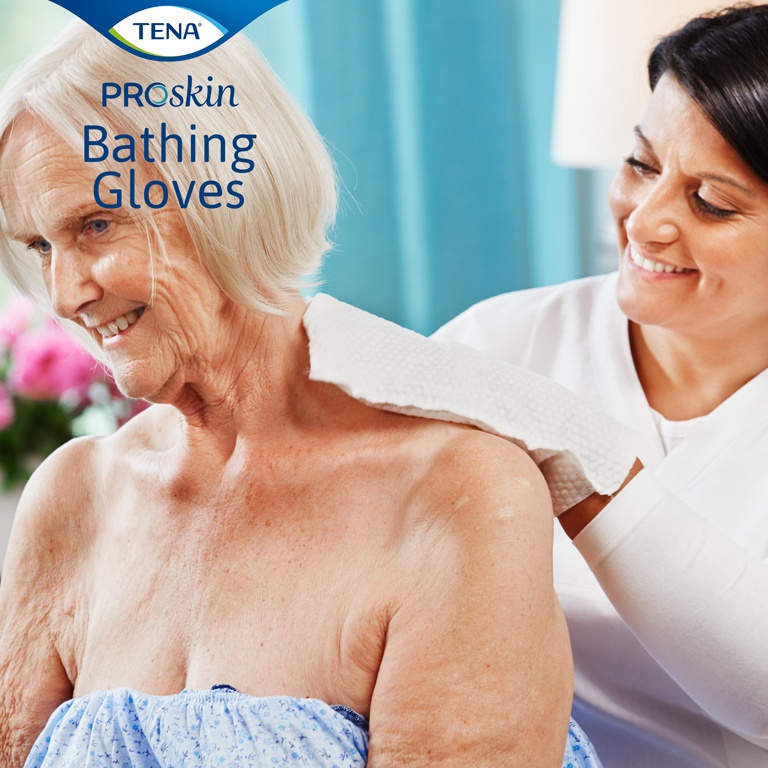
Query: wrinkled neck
248	376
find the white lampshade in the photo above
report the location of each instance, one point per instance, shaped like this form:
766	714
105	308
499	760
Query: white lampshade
602	82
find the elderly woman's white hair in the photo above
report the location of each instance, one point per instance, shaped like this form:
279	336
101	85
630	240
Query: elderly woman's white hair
254	252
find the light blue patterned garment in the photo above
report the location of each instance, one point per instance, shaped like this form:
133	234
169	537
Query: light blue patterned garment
122	728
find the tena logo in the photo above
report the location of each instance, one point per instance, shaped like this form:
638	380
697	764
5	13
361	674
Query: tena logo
168	31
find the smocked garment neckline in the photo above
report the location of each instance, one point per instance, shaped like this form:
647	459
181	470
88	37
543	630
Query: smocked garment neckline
124	728
221	727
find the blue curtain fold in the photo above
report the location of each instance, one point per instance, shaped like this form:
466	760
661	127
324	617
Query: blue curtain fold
438	114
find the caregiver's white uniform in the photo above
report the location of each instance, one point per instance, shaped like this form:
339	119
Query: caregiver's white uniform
681	677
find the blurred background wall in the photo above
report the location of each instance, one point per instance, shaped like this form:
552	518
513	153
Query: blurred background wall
439	114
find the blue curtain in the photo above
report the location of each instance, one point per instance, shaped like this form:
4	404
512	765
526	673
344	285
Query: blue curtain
438	113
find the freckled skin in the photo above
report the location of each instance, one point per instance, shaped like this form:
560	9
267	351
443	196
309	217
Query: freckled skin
261	530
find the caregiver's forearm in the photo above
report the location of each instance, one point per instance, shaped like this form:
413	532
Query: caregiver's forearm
694	598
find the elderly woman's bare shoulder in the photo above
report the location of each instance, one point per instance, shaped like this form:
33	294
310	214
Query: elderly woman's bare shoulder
477	479
62	490
59	483
53	517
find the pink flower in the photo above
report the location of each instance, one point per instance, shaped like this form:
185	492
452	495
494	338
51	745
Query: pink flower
15	319
6	408
47	364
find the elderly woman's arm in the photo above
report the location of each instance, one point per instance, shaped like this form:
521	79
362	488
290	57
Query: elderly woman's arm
33	681
477	669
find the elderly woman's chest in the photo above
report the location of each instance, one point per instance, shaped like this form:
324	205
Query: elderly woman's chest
260	598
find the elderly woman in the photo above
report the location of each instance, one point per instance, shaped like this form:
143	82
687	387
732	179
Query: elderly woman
673	671
319	562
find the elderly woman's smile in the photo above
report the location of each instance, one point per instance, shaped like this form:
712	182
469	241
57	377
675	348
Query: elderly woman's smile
120	324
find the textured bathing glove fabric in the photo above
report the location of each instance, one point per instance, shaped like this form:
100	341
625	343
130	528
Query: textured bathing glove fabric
578	449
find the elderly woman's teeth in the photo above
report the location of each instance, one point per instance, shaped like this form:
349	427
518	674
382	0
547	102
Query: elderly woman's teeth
120	323
654	266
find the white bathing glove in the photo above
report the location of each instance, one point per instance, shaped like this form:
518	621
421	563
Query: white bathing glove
577	449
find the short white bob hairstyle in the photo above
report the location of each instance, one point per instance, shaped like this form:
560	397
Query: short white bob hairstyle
254	253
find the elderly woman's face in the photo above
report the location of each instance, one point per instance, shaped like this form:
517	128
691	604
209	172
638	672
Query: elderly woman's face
692	222
97	266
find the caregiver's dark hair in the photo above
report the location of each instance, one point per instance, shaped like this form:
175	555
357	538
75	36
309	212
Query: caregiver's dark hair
721	59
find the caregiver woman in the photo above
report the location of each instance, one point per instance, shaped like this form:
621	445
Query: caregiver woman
668	608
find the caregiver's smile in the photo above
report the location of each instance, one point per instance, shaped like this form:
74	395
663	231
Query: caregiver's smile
647	265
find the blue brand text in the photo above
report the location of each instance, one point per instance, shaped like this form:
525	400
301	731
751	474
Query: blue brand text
165	30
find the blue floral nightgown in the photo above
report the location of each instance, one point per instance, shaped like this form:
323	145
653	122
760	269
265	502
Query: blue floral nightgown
122	728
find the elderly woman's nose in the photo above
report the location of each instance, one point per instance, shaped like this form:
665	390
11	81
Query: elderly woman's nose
70	281
653	216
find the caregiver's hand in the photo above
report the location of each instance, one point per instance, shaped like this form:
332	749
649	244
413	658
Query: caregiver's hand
575	519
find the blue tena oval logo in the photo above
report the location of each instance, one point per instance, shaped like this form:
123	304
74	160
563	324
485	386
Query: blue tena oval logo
168	32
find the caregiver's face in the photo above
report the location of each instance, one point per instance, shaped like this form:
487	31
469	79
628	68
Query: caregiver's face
692	221
97	267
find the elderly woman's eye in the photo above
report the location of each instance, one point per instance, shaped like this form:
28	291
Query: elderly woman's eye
43	247
98	225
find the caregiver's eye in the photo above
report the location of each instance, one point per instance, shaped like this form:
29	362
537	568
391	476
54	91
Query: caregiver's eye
43	247
711	210
639	166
